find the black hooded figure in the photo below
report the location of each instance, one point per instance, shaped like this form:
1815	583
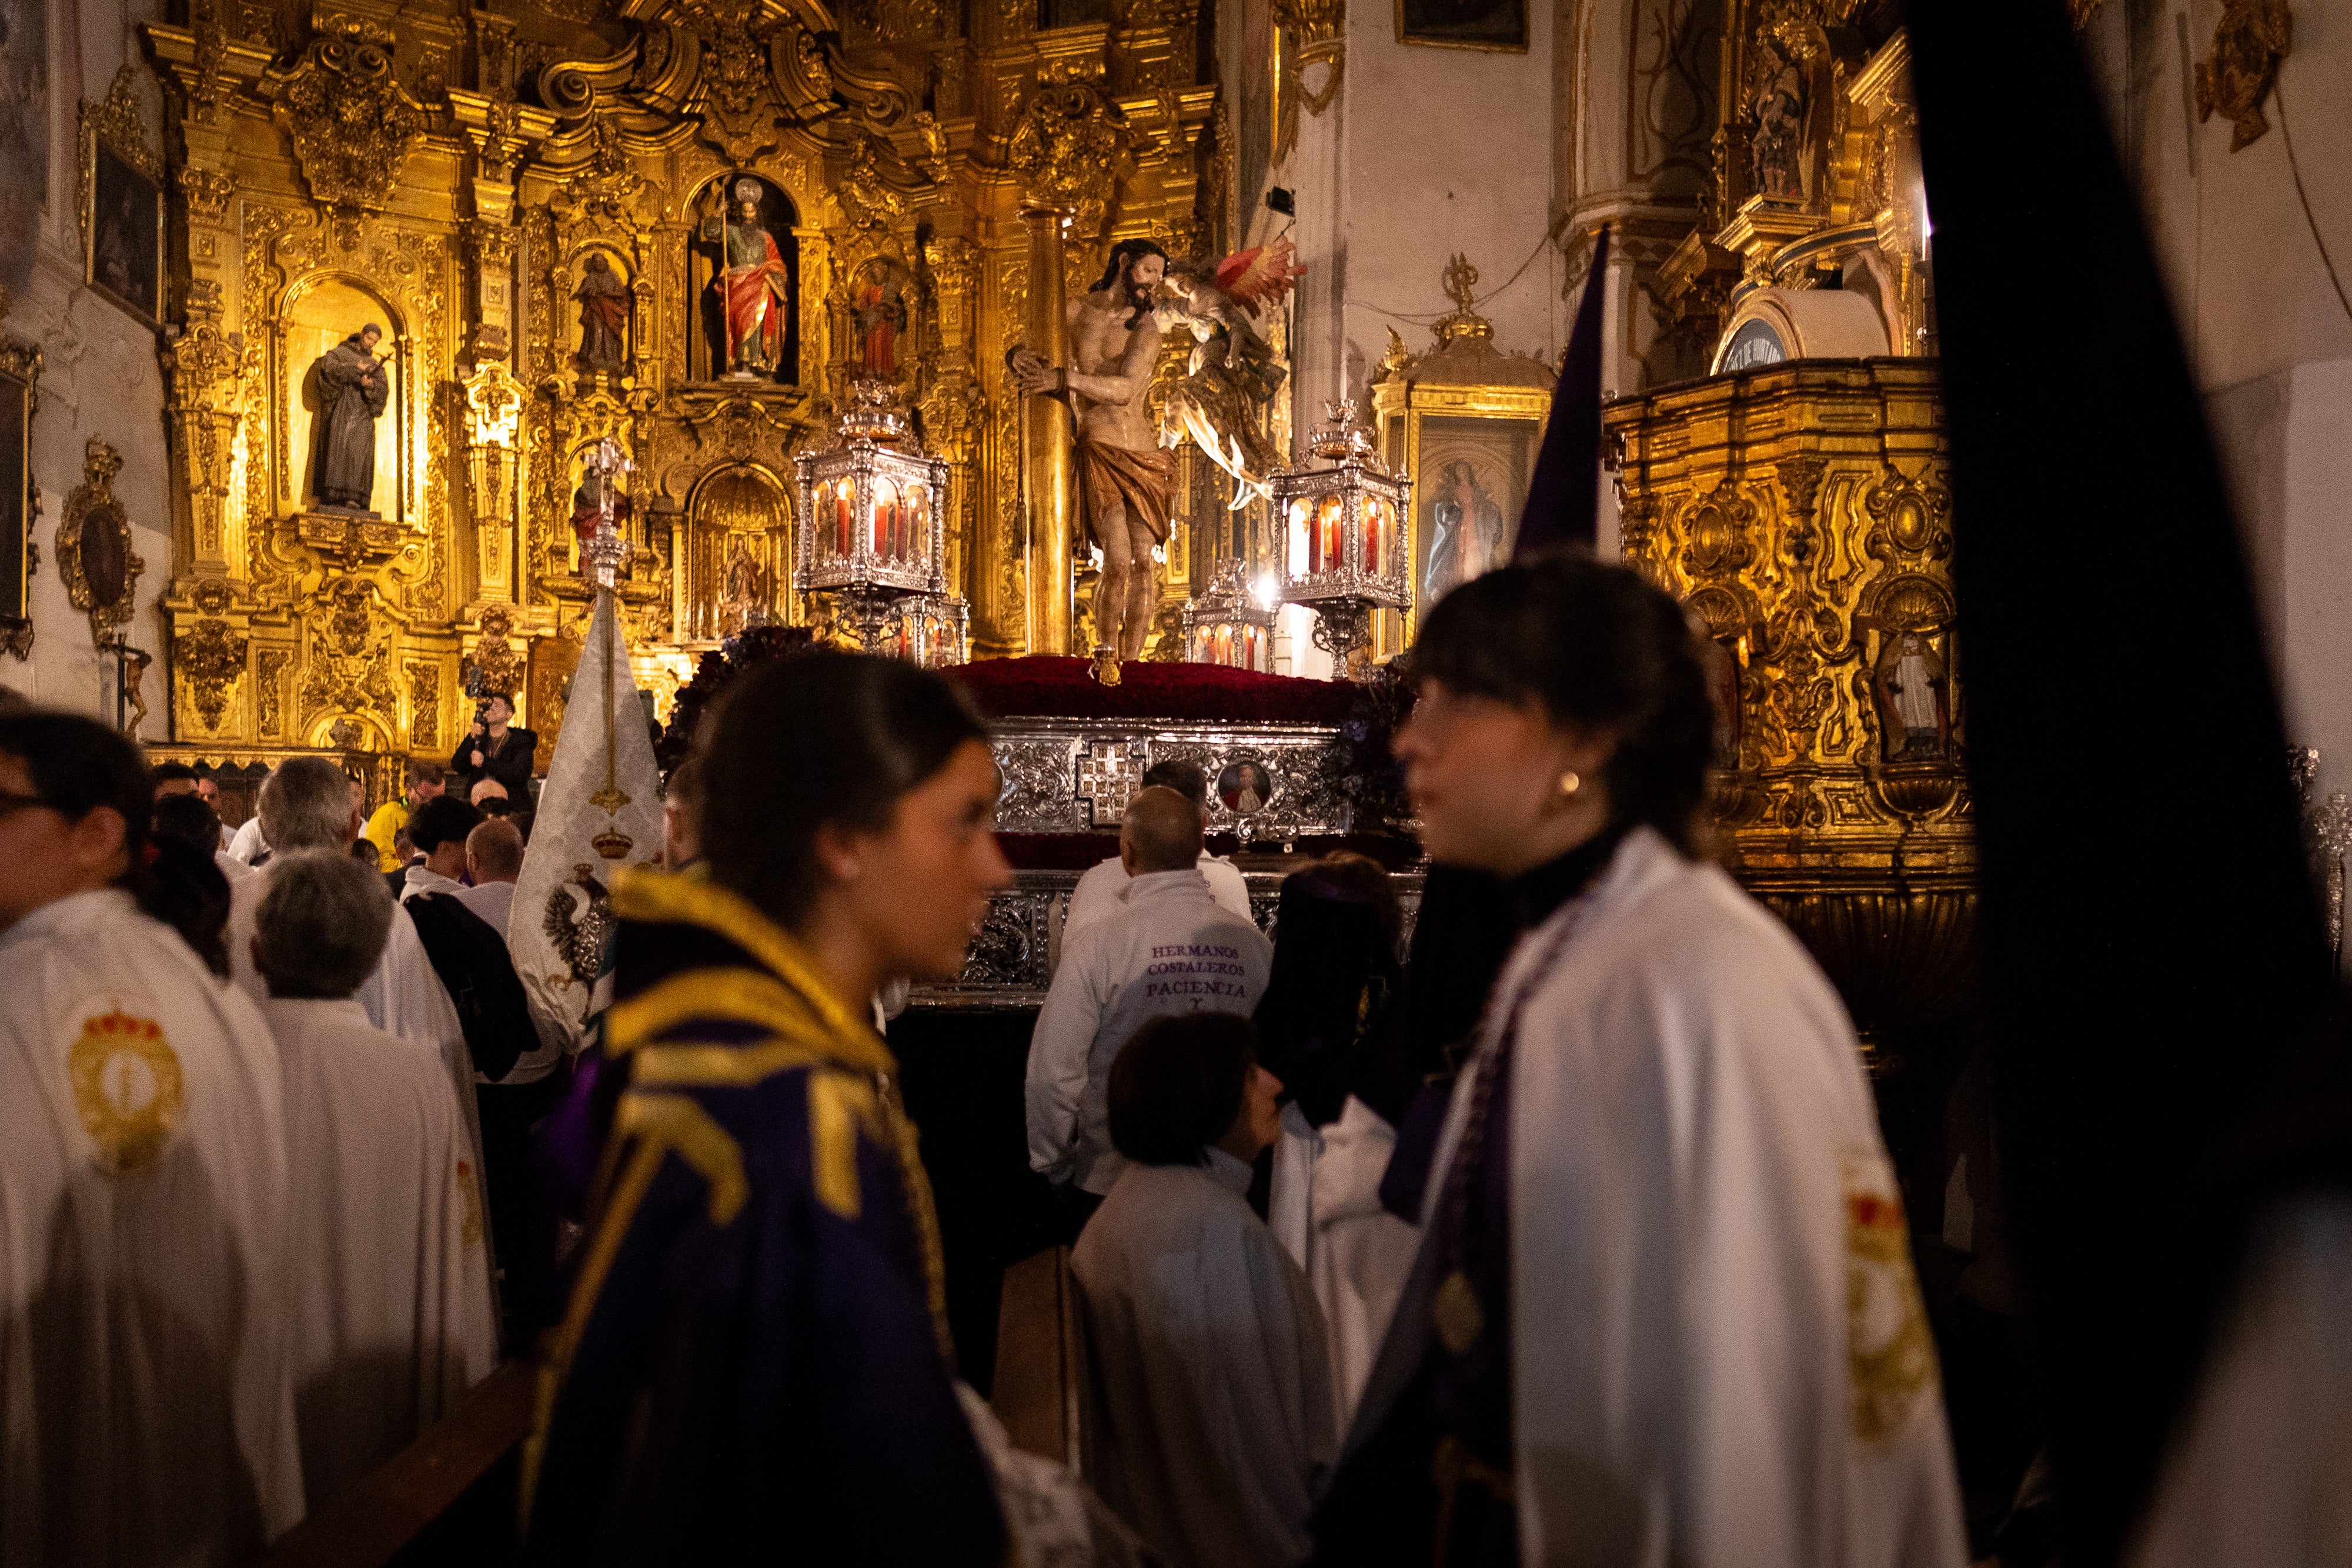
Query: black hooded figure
2137	1002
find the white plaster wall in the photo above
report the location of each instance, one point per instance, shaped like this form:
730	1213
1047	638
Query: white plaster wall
1447	150
2268	338
101	377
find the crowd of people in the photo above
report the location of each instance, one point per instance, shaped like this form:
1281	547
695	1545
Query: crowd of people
1557	1230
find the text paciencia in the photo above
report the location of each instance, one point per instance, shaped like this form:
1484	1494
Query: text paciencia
1194	969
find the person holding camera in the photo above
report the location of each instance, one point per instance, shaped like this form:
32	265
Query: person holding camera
496	749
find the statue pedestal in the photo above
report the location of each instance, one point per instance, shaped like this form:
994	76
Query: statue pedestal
359	538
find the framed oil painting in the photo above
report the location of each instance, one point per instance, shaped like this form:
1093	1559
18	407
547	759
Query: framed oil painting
121	204
1495	24
19	373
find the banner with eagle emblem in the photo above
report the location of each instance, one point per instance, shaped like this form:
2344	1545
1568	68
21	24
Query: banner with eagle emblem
599	811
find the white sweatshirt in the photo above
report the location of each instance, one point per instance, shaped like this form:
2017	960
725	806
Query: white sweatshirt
1168	948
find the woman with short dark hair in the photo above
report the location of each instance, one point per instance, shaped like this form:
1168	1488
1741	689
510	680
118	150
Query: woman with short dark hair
1663	1308
1212	1423
757	1349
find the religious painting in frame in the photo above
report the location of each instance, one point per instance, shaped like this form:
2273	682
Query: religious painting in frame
1469	451
20	375
23	139
121	204
1500	25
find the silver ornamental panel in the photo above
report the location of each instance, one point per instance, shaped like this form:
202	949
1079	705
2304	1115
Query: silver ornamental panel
1013	957
1268	781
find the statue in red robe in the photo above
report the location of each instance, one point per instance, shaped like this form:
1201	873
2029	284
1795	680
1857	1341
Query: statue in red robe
756	287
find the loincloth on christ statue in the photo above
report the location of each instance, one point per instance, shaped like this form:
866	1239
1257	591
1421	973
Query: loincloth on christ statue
1110	477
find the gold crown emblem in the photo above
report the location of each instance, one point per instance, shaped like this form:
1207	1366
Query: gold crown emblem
613	843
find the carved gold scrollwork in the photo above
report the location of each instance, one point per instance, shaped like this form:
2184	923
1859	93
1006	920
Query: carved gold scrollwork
210	658
2249	42
1720	529
1910	519
94	555
1069	147
350	121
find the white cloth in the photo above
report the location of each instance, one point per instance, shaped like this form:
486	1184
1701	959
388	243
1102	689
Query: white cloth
1100	891
1170	949
247	845
230	866
1698	1188
402	995
1209	1428
227	837
601	810
422	879
494	902
2260	1473
1325	1206
146	1402
392	1314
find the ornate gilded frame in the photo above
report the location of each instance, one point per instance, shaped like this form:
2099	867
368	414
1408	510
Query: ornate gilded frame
1402	410
1526	33
93	504
20	498
112	126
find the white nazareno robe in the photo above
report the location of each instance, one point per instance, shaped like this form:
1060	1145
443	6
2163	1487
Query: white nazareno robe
1209	1427
146	1405
402	995
1323	1204
1720	1355
393	1314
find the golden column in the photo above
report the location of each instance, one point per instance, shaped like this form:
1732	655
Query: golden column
1049	436
1068	150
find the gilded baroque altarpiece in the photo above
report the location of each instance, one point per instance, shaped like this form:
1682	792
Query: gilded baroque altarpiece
455	176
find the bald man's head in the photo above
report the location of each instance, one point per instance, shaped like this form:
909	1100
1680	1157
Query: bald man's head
494	852
1162	832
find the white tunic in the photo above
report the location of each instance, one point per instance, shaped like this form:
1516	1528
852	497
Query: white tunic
1209	1429
1325	1205
402	995
1170	950
393	1317
1718	1350
2261	1472
247	843
1100	891
146	1406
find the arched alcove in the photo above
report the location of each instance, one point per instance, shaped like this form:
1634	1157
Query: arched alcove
320	312
738	556
714	210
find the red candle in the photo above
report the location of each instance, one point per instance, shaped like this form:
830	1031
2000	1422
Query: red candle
844	496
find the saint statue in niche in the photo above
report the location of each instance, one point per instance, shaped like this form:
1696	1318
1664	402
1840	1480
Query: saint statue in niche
1776	154
881	311
1913	692
588	505
743	586
353	390
754	285
604	316
1466	535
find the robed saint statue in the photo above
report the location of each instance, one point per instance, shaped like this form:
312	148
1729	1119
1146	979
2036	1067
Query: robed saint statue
755	287
352	391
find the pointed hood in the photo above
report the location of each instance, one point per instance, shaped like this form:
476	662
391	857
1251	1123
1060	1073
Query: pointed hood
1564	493
601	810
2152	942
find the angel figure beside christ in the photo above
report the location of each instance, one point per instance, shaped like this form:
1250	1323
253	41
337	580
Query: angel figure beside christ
1231	375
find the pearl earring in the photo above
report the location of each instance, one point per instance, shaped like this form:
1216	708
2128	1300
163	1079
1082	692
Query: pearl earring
1570	783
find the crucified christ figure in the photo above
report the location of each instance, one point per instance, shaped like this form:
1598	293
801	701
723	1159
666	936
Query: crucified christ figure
1124	477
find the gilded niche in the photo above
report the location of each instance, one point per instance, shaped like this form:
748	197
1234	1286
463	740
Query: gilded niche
1801	515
